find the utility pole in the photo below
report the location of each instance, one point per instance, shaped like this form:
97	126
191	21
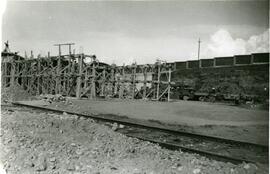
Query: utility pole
199	44
58	88
68	44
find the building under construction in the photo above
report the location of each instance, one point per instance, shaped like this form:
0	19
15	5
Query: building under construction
71	75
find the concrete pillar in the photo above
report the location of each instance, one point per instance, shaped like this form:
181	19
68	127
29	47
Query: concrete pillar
214	62
252	59
234	60
186	64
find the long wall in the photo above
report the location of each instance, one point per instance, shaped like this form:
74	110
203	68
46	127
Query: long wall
237	60
246	74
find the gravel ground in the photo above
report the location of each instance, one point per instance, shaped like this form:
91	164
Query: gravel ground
50	143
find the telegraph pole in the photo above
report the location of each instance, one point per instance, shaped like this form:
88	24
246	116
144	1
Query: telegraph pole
199	44
58	70
68	44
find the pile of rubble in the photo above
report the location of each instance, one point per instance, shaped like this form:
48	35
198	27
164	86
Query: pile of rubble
53	98
50	143
14	93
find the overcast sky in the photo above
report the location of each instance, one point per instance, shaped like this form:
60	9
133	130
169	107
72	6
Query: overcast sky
123	32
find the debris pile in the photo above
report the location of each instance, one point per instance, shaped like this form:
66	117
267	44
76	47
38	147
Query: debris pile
14	93
53	98
63	143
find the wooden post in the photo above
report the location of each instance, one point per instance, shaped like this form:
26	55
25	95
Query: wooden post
58	79
144	82
112	80
16	72
51	82
158	81
169	83
12	73
79	80
85	81
68	77
38	76
30	81
4	74
121	90
23	76
116	84
103	82
31	56
133	81
93	82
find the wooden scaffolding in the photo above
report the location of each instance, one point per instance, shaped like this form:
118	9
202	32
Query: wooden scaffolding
71	75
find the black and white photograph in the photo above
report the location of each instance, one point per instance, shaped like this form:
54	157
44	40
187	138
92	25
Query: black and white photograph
134	87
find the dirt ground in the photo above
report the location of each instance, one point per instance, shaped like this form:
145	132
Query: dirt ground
200	117
34	142
180	112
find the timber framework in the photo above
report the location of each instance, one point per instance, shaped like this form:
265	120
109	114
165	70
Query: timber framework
71	75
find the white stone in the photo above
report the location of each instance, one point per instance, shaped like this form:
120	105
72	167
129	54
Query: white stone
196	171
246	166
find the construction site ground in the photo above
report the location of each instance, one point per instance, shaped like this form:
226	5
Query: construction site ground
215	119
34	141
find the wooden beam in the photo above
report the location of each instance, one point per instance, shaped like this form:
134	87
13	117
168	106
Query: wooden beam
93	81
158	82
144	83
79	80
12	74
169	84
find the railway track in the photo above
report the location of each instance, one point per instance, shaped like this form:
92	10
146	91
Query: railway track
217	148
